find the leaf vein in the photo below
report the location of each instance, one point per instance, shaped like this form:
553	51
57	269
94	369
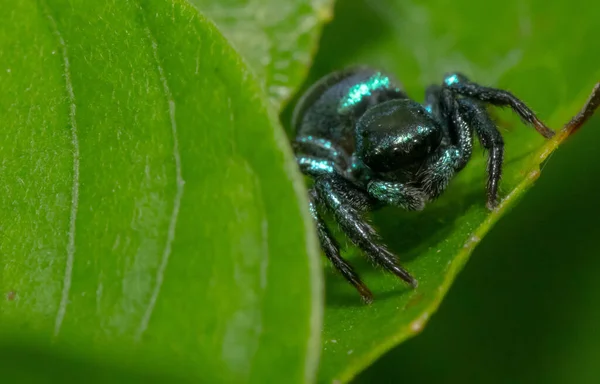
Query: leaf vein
178	194
64	300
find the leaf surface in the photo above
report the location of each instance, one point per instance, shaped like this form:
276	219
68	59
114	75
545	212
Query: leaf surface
545	53
149	202
277	38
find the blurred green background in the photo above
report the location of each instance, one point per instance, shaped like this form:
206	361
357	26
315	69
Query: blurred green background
526	307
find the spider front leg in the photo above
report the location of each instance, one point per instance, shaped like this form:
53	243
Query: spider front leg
491	139
348	203
455	151
397	194
315	167
499	97
464	116
332	250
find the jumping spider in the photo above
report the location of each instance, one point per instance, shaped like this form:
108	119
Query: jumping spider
366	144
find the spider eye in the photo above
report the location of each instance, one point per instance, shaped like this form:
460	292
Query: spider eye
396	134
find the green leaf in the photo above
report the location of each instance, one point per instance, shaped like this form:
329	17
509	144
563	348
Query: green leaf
149	202
18	356
541	51
277	38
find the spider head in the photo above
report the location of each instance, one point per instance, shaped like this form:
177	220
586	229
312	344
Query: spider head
396	134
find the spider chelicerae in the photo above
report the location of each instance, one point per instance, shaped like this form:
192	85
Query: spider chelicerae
366	144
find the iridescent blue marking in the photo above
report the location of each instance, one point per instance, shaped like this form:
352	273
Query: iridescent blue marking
391	192
422	130
313	165
448	159
451	80
335	200
428	109
359	91
322	143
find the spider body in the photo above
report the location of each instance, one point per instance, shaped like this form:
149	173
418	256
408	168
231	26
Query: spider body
366	144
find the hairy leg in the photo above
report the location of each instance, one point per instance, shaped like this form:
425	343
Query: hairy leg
332	251
348	203
315	166
453	156
316	156
460	129
461	85
491	140
397	194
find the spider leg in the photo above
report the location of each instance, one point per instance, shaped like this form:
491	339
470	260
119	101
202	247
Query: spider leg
347	204
460	127
315	166
308	145
332	250
491	140
452	156
397	194
317	156
462	86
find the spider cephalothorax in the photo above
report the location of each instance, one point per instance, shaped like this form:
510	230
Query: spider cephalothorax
366	144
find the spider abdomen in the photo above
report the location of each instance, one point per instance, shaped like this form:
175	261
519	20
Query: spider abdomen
330	108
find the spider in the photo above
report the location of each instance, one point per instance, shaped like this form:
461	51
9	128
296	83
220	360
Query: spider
366	144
